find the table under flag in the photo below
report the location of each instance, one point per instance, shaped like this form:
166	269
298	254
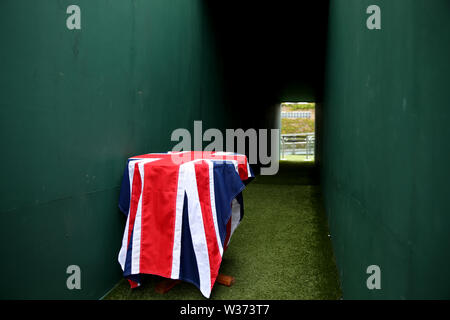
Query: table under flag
182	209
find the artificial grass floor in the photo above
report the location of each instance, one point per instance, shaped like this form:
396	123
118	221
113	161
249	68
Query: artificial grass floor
281	250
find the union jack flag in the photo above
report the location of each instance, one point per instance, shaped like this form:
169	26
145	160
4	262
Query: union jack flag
182	209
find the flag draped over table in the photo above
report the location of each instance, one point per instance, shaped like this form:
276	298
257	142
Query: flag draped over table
182	209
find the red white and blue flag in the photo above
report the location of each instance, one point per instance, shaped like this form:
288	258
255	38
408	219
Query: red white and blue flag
181	213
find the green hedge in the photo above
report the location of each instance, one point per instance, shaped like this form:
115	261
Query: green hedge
299	106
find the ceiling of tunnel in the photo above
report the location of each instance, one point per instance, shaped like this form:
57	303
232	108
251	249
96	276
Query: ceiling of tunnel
271	51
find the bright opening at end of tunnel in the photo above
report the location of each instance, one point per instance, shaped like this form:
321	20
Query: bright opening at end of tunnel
297	140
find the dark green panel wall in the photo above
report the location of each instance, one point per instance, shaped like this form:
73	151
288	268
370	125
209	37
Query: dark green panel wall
74	104
386	147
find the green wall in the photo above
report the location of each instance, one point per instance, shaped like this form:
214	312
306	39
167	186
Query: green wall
75	104
386	147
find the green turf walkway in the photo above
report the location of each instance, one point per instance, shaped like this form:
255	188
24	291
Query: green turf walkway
281	250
